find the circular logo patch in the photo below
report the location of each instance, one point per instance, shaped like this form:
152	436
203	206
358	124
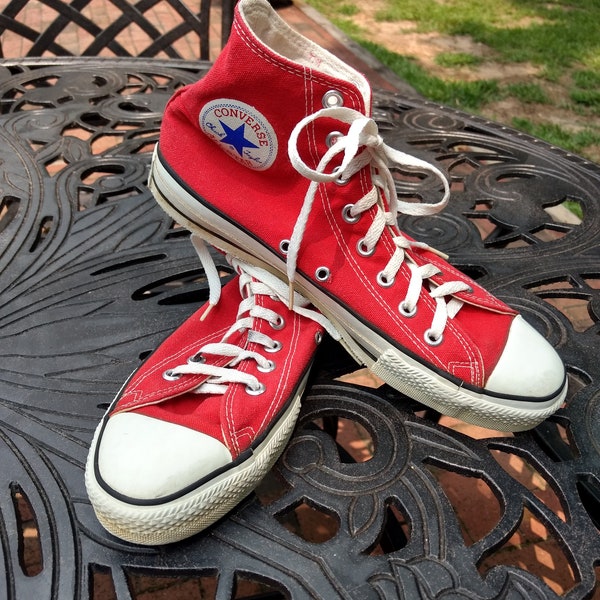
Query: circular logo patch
240	131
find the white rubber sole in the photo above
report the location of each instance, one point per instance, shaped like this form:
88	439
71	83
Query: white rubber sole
396	368
187	515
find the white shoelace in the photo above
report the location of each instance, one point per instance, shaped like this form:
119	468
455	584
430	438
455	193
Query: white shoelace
253	282
362	146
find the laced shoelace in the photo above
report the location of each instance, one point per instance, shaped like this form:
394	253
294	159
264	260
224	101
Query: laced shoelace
364	146
253	282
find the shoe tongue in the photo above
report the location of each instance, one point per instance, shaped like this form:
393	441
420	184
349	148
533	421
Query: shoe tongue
278	37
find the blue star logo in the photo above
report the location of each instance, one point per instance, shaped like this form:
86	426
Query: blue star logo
235	138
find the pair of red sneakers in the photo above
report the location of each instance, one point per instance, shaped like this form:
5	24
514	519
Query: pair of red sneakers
274	159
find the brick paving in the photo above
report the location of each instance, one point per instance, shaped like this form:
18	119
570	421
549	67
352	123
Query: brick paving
531	547
37	15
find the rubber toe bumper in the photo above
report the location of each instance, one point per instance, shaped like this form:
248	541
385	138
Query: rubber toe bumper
529	366
144	459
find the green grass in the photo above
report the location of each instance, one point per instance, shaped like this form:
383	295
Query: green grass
560	39
589	98
587	80
574	142
468	95
348	10
575	208
457	59
550	34
528	93
586	90
448	16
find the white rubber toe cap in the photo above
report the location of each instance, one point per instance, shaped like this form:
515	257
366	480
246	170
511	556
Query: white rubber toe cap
144	458
529	366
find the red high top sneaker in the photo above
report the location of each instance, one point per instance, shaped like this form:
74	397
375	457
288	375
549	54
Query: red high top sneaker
201	422
273	157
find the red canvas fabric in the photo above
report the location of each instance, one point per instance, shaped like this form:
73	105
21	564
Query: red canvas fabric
235	418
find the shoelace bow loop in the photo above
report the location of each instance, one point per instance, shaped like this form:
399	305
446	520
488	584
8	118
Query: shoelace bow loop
253	282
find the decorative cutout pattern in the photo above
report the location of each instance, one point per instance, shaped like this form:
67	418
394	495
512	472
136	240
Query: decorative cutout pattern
93	275
105	28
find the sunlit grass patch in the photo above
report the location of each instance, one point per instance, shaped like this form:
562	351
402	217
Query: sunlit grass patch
529	93
556	41
457	59
467	95
573	141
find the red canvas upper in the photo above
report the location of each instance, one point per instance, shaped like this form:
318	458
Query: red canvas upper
235	418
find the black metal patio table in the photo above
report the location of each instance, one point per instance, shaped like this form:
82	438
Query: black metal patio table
93	276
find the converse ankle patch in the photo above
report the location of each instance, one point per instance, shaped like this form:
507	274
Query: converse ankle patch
240	131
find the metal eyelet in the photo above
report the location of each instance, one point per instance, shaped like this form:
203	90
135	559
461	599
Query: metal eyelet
322	274
318	337
270	367
284	246
278	324
332	99
276	347
256	392
170	376
406	311
333	137
383	281
432	341
362	249
339	180
347	215
196	359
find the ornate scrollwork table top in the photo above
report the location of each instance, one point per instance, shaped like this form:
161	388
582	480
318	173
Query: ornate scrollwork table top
93	276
